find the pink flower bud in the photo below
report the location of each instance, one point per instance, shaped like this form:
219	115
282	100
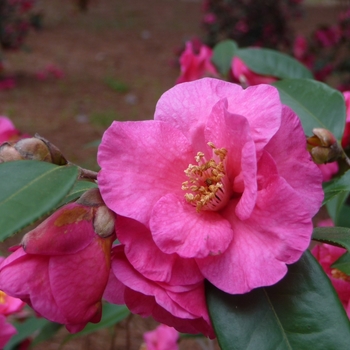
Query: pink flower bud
61	268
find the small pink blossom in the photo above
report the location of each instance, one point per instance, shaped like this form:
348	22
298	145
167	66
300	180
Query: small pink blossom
209	18
162	338
6	331
300	47
326	255
196	64
62	266
328	170
328	36
211	190
8	132
247	77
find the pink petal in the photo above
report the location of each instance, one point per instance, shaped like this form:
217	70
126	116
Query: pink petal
67	231
7	330
294	162
141	161
192	234
149	260
276	234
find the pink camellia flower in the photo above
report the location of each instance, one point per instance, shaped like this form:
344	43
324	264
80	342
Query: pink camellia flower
6	331
7	130
221	181
247	77
196	65
326	255
346	135
62	266
162	338
171	290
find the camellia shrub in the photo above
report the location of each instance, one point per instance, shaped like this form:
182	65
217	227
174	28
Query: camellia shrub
202	217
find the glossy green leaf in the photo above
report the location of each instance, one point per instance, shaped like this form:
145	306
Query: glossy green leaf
29	190
274	63
316	104
25	329
222	55
343	263
302	311
335	205
339	236
336	187
79	188
111	315
343	216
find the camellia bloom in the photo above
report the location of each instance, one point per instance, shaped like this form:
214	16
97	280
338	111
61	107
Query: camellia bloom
162	338
196	65
62	266
326	255
247	77
222	182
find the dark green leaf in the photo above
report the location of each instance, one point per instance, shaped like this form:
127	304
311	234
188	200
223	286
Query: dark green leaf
302	311
46	333
111	315
274	63
79	188
343	217
25	330
316	104
336	187
343	263
29	190
222	55
339	236
335	206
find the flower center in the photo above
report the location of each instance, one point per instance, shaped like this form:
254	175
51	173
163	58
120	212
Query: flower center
340	275
208	183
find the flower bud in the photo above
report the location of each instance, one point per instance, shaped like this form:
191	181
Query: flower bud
9	153
33	149
324	147
56	155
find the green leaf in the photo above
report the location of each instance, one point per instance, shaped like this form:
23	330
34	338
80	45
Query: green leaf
79	188
302	311
274	63
46	333
111	314
30	190
335	206
223	53
316	104
343	263
336	187
339	236
25	329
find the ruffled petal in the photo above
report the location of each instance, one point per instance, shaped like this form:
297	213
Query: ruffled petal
140	162
150	261
288	149
192	234
276	234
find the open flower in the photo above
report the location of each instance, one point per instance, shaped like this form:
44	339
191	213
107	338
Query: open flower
62	266
162	338
196	65
326	255
221	179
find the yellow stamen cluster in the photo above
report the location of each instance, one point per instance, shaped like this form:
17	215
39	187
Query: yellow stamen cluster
206	180
340	275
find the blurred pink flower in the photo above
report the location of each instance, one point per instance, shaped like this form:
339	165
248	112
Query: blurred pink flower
162	338
8	132
209	18
326	255
247	77
6	331
196	65
328	170
50	70
7	83
328	36
62	266
209	180
300	47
